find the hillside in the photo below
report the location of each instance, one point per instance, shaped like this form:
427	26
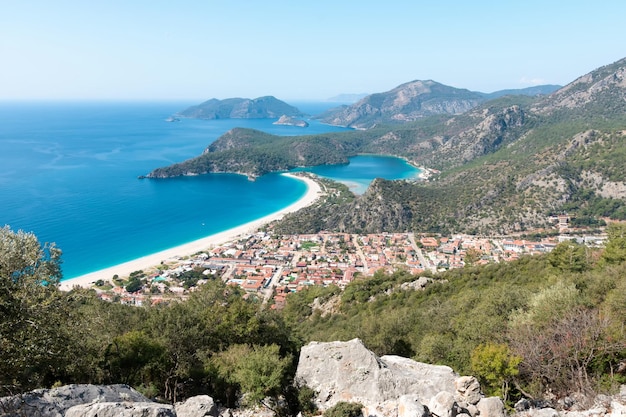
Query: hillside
267	107
407	102
543	327
254	153
507	165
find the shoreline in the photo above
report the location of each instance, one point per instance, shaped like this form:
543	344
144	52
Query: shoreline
313	192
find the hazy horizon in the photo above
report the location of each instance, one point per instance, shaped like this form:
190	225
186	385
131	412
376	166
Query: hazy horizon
191	51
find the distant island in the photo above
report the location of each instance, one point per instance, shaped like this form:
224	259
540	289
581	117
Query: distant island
290	121
267	107
347	98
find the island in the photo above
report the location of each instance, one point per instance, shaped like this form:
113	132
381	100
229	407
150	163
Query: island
290	121
267	107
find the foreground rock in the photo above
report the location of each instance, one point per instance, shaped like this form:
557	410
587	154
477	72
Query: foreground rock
389	385
57	401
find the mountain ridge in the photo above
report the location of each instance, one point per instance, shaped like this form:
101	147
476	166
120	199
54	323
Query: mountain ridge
266	107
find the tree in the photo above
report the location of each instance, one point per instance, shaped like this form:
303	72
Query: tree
495	365
32	310
569	256
135	359
259	371
615	249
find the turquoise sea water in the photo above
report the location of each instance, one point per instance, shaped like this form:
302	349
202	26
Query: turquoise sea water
68	173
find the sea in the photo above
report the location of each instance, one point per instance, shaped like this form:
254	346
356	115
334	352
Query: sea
69	174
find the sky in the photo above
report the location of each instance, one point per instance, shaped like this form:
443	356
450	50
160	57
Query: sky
296	50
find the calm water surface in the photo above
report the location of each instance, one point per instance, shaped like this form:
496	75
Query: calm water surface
68	173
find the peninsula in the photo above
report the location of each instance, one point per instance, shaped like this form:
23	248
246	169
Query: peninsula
290	121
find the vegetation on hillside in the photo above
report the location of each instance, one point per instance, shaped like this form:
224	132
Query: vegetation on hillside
546	322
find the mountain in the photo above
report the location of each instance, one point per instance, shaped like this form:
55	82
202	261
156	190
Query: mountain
536	90
508	165
267	107
407	102
254	153
347	98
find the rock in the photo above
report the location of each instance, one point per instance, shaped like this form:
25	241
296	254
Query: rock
56	401
125	409
617	409
468	389
418	284
290	121
348	371
443	404
198	406
410	406
491	407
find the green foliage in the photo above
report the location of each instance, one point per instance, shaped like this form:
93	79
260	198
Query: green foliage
495	366
570	256
135	359
615	249
344	409
32	312
134	285
258	371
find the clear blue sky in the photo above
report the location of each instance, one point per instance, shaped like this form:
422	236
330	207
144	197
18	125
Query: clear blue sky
195	50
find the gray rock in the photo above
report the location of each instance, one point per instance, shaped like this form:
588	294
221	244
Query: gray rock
468	389
418	284
617	409
491	407
348	371
56	401
410	406
198	406
443	405
125	409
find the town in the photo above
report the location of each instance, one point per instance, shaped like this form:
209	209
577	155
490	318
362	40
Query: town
271	267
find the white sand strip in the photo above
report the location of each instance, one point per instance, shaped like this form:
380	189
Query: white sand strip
153	260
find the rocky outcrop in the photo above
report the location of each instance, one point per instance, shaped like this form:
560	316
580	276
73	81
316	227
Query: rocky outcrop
290	121
198	406
56	402
389	385
125	409
102	401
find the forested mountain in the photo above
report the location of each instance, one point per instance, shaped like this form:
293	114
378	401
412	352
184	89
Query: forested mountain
241	108
505	165
407	102
535	90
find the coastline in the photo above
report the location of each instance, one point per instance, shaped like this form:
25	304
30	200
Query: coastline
314	191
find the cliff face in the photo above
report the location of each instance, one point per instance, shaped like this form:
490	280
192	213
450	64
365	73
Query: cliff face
405	103
241	108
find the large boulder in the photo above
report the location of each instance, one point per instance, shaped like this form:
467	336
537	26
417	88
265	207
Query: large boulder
198	406
56	401
125	409
348	371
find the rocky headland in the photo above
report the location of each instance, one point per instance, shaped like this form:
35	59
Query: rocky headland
290	121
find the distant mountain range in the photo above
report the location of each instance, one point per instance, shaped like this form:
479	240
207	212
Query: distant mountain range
267	107
499	165
413	100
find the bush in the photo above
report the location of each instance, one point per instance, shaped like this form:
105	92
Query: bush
345	409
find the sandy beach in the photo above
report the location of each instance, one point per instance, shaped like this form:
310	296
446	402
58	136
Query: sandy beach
152	260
